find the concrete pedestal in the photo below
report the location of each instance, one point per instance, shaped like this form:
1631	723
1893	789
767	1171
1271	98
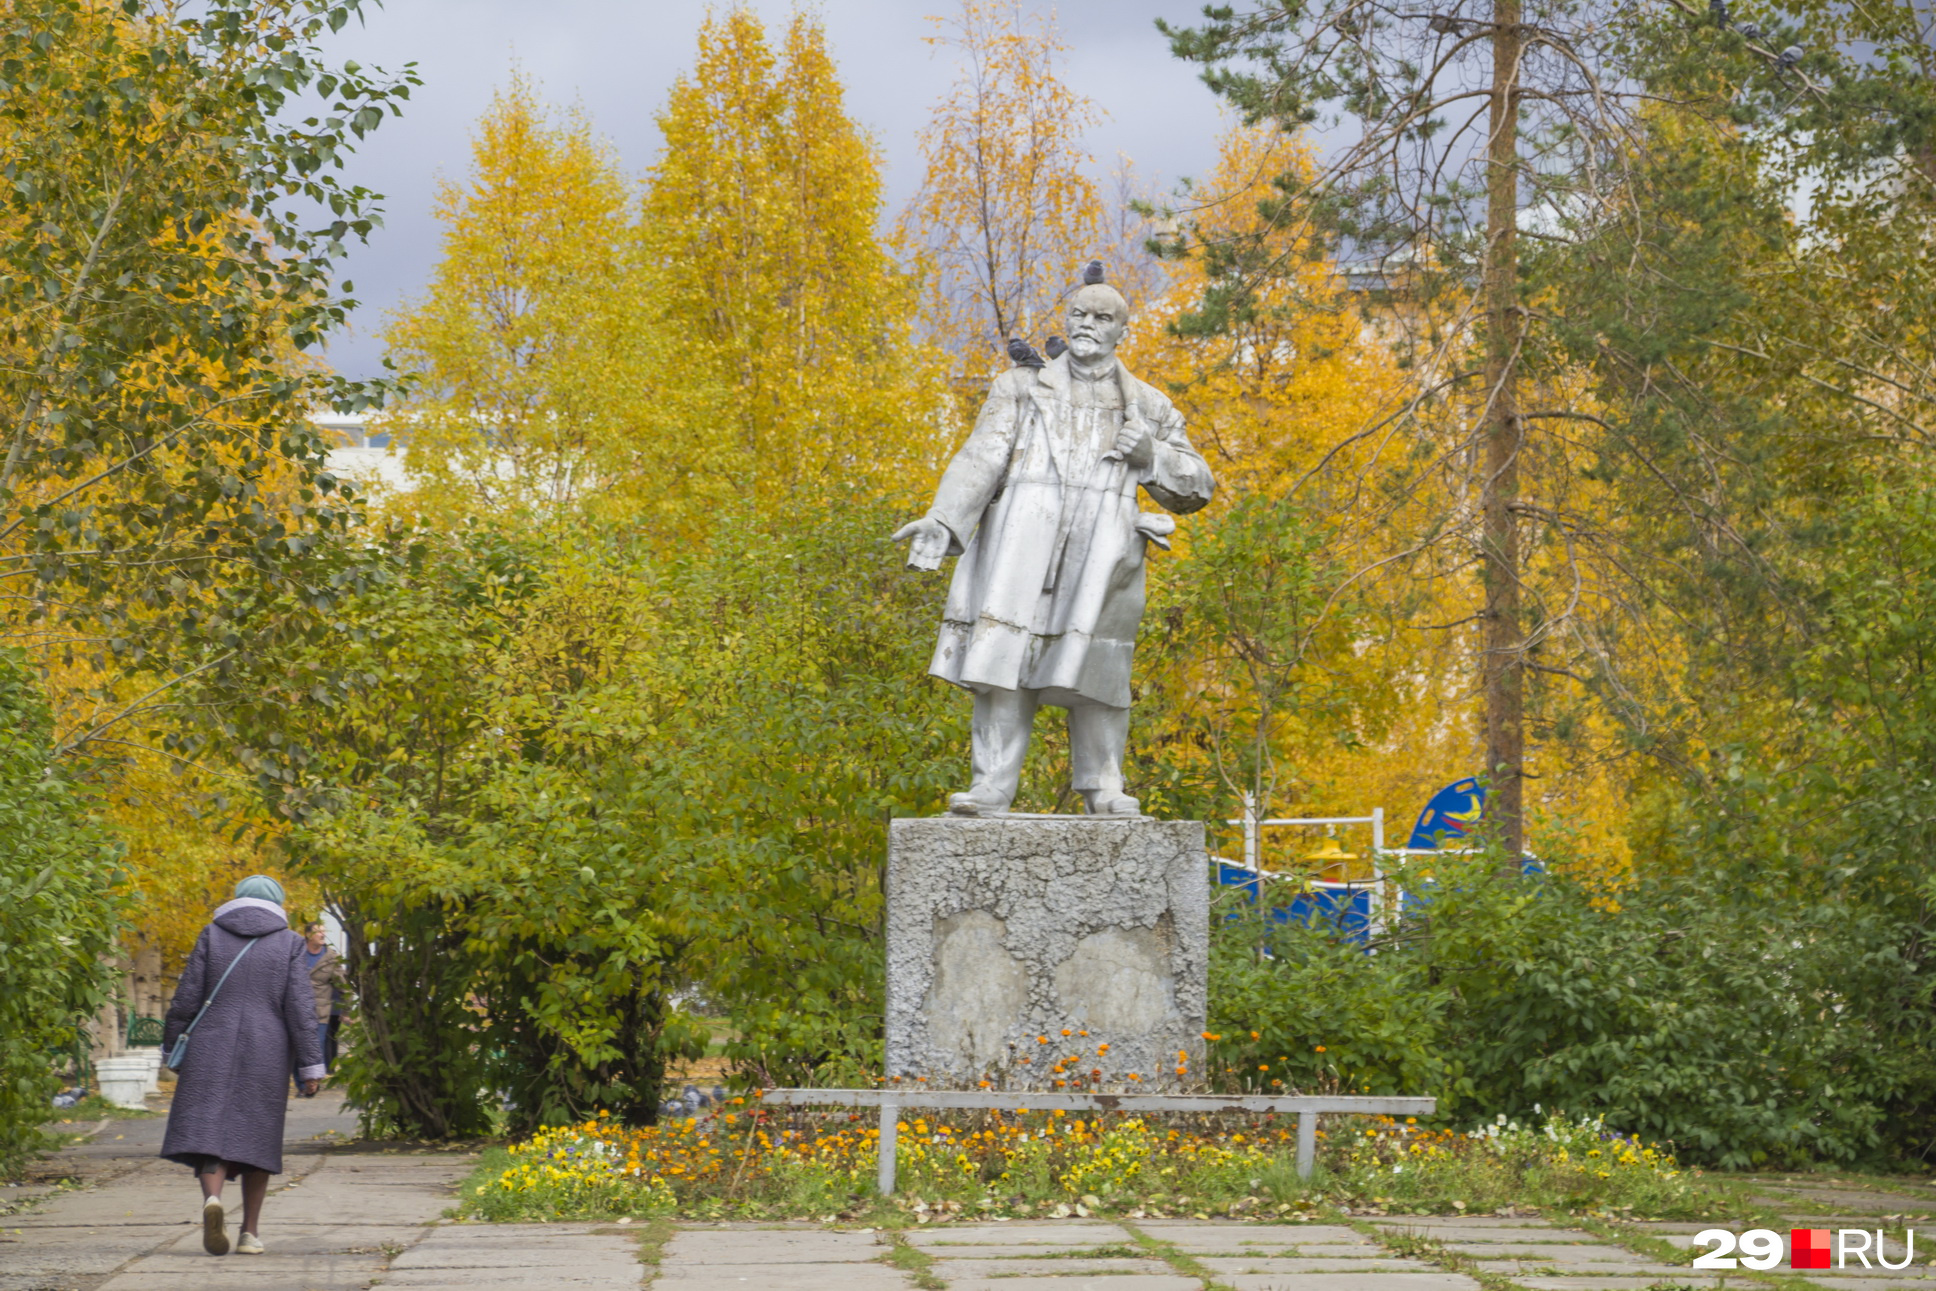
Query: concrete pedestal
1003	930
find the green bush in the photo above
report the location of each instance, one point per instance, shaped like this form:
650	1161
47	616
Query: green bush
571	784
1677	1010
59	915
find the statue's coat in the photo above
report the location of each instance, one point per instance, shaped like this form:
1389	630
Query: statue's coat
1049	589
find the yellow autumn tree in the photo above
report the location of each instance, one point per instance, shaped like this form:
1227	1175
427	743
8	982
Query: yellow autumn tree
161	489
758	226
1007	213
1324	650
1259	663
543	381
188	843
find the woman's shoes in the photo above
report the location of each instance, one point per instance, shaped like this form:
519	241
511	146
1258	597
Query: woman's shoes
249	1245
215	1239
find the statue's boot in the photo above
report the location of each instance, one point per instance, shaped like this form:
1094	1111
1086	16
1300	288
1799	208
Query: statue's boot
999	744
978	801
1111	802
1097	735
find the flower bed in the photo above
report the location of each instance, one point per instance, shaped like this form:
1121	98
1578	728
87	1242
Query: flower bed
758	1163
1555	1163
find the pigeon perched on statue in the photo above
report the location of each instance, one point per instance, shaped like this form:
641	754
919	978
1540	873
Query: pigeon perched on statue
1092	273
1056	347
1022	354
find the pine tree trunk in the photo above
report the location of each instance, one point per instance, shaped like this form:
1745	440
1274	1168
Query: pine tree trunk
1502	668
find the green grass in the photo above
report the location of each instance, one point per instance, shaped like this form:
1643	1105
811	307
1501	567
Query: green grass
914	1262
1560	1164
1918	1187
26	1205
94	1108
1435	1252
652	1242
1641	1242
1173	1255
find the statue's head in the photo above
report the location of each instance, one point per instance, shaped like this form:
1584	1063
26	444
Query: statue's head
1098	315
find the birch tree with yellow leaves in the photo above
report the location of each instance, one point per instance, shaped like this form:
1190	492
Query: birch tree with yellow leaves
1008	212
758	227
542	381
736	328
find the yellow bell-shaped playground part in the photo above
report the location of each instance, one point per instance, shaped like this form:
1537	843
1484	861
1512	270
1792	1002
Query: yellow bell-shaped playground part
1335	865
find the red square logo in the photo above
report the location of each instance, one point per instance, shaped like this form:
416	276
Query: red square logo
1808	1248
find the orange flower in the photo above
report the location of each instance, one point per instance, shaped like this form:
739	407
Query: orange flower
1320	1048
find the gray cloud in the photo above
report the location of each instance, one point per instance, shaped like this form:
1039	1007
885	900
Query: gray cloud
617	58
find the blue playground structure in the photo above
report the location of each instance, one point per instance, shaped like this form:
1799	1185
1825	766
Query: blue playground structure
1355	905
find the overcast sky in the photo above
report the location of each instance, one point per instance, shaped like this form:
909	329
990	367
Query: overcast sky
618	58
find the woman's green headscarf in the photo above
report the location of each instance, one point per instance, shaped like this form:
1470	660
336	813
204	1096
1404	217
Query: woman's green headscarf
261	887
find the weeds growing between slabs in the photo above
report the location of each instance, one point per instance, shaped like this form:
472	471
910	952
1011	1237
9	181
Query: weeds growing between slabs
766	1163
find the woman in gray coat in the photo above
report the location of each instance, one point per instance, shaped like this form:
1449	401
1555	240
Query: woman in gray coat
232	1091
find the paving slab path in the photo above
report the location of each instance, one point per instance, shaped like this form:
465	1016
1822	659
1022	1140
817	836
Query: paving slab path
342	1216
1904	1213
748	1257
357	1217
1545	1255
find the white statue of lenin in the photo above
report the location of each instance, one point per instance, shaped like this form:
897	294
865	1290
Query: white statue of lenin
1041	506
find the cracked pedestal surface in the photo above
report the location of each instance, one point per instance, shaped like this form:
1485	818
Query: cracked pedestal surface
1004	929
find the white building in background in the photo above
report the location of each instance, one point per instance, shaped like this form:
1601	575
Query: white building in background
371	460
